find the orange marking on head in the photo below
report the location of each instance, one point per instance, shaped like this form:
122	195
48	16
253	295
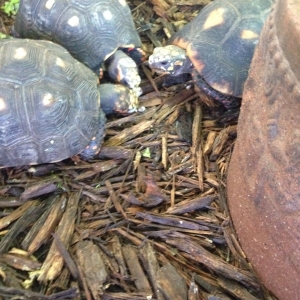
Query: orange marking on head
216	17
248	34
181	42
197	63
178	63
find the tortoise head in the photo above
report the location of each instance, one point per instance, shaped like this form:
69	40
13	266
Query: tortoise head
171	60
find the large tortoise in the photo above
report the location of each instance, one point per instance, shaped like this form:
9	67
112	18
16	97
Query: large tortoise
217	47
93	31
49	104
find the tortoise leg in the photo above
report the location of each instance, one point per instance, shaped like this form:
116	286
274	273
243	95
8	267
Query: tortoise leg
123	69
117	98
95	144
137	54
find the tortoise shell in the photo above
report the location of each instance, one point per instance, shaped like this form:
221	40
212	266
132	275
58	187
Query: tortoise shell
220	41
91	30
49	103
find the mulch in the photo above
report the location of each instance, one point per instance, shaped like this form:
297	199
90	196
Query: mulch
148	218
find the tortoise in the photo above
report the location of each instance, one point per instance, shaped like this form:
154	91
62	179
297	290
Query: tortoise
49	104
93	31
216	47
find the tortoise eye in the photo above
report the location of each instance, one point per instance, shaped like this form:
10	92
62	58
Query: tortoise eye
164	62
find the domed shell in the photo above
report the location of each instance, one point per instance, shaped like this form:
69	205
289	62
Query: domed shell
91	30
221	40
49	103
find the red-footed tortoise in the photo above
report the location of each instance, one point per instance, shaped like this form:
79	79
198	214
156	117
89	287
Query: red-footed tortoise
217	47
93	31
50	104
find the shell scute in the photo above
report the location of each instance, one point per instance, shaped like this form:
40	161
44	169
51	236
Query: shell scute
50	115
221	40
90	30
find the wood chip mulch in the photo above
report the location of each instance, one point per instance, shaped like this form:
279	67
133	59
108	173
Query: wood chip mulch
148	219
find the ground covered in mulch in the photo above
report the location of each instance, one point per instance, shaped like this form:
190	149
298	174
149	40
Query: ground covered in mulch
148	219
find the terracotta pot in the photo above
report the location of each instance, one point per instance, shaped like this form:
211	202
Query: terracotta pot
264	174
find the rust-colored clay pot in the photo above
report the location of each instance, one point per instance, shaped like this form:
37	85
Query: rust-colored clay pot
264	174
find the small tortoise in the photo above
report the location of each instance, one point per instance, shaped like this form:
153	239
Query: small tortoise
93	31
216	47
49	104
